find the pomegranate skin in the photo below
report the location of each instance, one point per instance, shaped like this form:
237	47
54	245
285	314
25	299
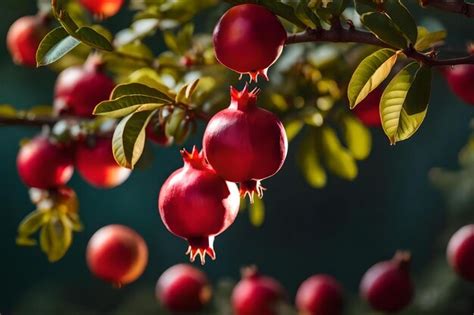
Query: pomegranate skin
183	288
80	88
245	143
24	37
197	205
43	164
117	254
97	166
257	295
461	252
103	8
249	39
320	295
387	285
460	78
368	110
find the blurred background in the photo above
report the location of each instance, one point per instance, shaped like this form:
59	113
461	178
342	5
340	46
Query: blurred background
341	229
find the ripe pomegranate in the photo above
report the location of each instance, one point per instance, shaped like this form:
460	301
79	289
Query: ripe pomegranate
460	78
197	205
117	254
249	39
96	164
368	110
24	37
257	294
245	143
80	88
461	252
103	8
320	295
45	164
387	285
183	288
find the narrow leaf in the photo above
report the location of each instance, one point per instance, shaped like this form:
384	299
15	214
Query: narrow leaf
357	137
32	222
7	111
191	87
309	161
54	46
292	128
93	38
306	15
427	39
257	212
137	88
337	158
125	105
382	26
402	18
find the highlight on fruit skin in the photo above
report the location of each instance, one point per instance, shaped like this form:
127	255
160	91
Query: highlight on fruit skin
245	143
248	39
196	204
117	254
103	8
460	252
320	295
183	288
368	110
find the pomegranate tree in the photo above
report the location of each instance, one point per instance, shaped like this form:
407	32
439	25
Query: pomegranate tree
197	205
249	39
103	8
320	295
461	252
460	80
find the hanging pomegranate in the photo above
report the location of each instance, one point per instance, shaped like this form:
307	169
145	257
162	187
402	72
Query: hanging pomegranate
461	252
460	78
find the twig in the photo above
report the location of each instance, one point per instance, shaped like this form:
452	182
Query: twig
454	6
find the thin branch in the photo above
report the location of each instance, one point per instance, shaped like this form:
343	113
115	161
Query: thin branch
32	121
454	6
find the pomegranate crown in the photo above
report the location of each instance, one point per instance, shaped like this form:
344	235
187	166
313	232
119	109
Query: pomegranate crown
250	272
195	158
243	99
403	259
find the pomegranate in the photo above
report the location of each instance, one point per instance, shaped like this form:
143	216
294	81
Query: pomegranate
80	88
461	252
24	37
320	295
197	205
183	288
460	78
368	110
103	8
257	294
387	285
249	39
117	254
155	131
96	164
245	143
44	163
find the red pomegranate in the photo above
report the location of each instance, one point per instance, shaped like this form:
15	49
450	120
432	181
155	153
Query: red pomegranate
197	205
368	110
155	131
249	39
460	78
117	254
387	285
256	294
24	37
96	164
44	163
80	88
103	8
183	289
320	295
245	143
461	252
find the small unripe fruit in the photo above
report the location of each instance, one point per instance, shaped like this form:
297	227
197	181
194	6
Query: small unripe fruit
24	37
461	252
103	8
320	295
460	79
368	110
387	285
45	164
117	254
96	164
183	288
249	39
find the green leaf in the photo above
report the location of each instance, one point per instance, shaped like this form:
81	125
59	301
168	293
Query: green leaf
125	105
309	161
185	37
138	89
54	46
383	27
357	137
257	212
152	79
372	71
292	128
174	121
25	241
402	18
129	138
404	102
32	222
306	15
186	91
427	39
337	158
55	239
332	9
67	23
171	42
284	10
93	38
7	111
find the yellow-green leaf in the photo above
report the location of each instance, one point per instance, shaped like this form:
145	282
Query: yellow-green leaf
404	102
337	158
309	161
402	18
357	137
257	212
174	121
125	105
32	222
55	239
137	88
292	128
94	39
54	46
383	27
7	111
427	39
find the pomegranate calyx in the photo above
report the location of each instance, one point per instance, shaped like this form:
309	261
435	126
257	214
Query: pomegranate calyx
243	100
250	272
250	187
254	75
201	246
402	259
194	159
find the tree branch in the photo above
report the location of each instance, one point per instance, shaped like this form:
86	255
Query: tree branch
32	121
454	6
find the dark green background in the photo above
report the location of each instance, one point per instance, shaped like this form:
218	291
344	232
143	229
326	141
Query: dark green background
341	230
